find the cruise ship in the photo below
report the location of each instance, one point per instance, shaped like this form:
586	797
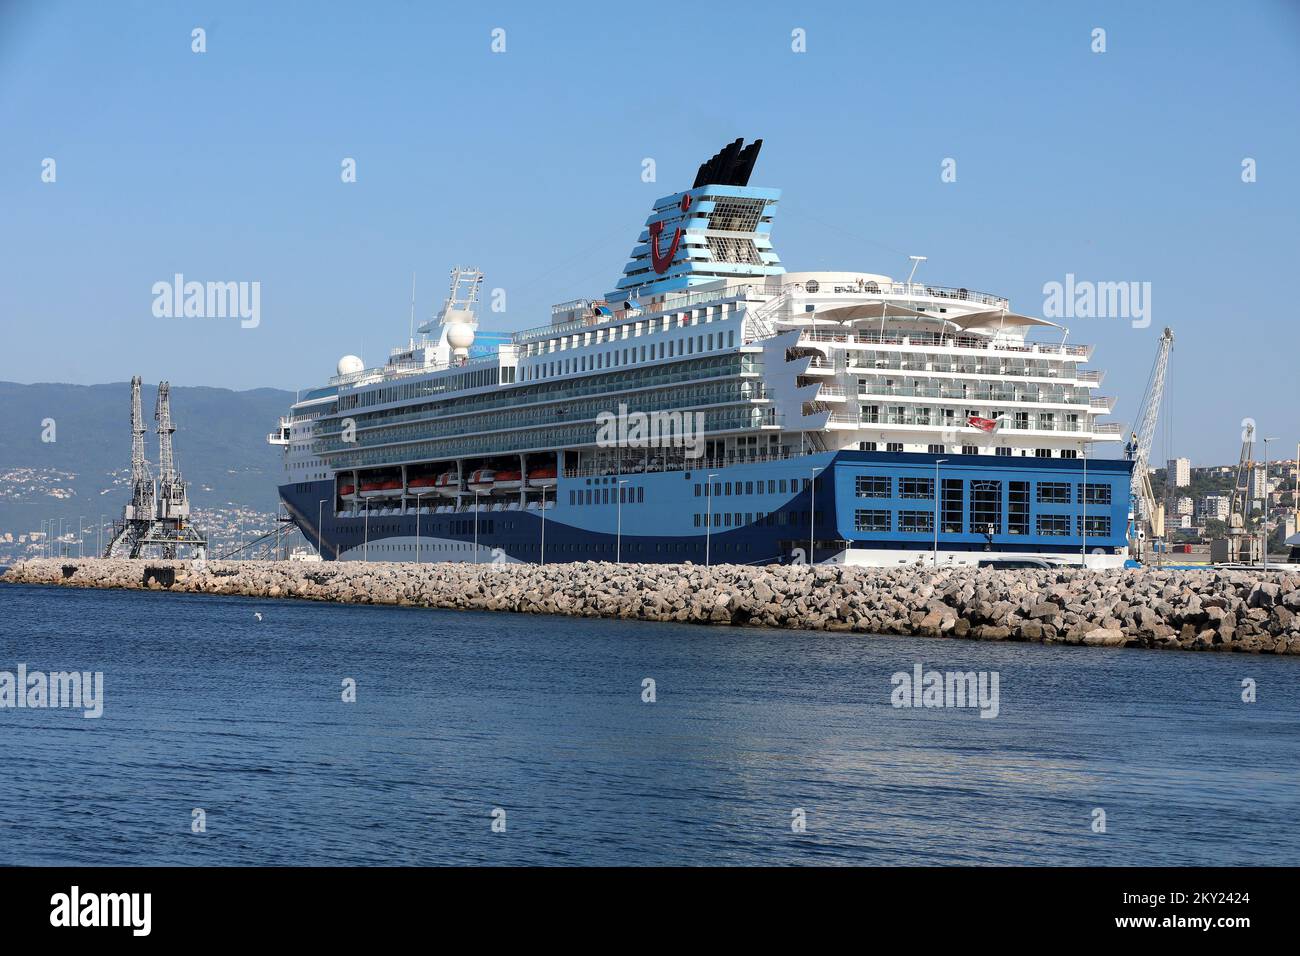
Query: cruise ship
715	408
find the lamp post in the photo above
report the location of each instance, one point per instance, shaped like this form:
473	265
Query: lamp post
708	514
101	536
418	496
1263	518
476	526
365	541
320	530
618	539
812	518
81	535
937	463
1083	503
543	553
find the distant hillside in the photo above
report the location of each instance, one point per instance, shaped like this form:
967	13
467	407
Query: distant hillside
220	448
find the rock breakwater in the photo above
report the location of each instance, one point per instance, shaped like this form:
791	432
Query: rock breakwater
1216	610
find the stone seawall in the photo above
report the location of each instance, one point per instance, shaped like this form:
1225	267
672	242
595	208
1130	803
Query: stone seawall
1192	610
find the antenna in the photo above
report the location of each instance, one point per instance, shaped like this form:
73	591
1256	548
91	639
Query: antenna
916	261
410	338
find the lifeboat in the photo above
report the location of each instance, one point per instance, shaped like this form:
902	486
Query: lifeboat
347	491
482	480
371	489
542	477
424	481
447	484
508	481
391	485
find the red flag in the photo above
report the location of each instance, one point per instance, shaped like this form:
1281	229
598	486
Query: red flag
983	424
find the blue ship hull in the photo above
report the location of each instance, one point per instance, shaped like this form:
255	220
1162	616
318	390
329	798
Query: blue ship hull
763	512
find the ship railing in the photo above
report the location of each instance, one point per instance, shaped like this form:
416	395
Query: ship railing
915	421
966	368
654	466
940	340
670	304
980	395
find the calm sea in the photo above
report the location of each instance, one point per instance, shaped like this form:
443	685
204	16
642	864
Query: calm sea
458	714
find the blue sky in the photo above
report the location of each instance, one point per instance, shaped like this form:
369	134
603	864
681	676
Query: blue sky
1118	166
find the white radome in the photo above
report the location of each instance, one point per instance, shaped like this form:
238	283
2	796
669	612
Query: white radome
350	365
460	335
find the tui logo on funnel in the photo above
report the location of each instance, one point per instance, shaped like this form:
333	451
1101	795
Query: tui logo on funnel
662	260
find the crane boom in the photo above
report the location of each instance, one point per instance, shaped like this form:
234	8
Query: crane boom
1139	446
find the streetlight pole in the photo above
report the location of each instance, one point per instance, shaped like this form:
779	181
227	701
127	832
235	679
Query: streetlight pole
320	528
618	546
708	514
100	553
1263	518
418	496
1083	502
812	518
476	526
937	499
365	541
543	555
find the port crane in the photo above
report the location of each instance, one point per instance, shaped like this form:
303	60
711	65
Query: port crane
1242	547
1148	517
158	514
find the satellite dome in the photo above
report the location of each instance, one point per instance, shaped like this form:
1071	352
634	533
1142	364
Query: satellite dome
350	365
460	335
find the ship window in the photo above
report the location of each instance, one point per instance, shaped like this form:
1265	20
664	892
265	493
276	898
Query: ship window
871	520
1053	525
916	487
1054	492
872	486
1018	507
950	517
915	522
986	507
1095	526
895	446
1098	494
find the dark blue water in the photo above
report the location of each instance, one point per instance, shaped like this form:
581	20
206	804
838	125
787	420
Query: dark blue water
459	713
